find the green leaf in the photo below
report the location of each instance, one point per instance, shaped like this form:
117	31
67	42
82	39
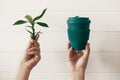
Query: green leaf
19	22
42	24
40	16
29	18
29	31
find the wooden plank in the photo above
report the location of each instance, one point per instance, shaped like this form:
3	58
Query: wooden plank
57	63
100	21
63	76
56	5
53	41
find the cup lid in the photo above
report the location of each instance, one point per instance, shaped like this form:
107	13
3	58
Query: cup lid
78	19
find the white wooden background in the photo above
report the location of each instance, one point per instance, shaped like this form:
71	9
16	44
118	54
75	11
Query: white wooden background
104	38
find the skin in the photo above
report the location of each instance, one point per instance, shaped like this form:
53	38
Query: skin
31	58
77	62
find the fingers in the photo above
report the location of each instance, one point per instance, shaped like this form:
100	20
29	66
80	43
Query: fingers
79	53
34	49
70	52
34	57
87	50
34	53
37	37
30	44
68	45
33	43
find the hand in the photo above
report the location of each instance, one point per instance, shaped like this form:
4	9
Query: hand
77	60
31	58
32	54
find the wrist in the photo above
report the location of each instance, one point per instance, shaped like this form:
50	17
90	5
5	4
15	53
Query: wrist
78	75
24	66
22	73
78	71
24	69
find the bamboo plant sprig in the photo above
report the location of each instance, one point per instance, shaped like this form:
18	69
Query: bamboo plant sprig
32	22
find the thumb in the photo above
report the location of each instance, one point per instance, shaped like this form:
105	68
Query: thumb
30	44
70	52
87	50
37	37
68	45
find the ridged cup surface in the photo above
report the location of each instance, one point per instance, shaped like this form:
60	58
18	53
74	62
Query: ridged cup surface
78	31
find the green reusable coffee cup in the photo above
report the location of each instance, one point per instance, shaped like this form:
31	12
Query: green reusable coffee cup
78	31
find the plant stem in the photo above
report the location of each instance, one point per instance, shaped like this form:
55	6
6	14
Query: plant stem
33	29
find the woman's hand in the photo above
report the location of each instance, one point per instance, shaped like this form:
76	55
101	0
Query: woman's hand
77	61
32	54
31	58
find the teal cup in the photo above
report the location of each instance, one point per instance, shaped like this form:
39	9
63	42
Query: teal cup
78	45
78	35
78	23
78	32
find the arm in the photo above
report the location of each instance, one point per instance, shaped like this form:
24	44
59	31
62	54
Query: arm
30	59
77	62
